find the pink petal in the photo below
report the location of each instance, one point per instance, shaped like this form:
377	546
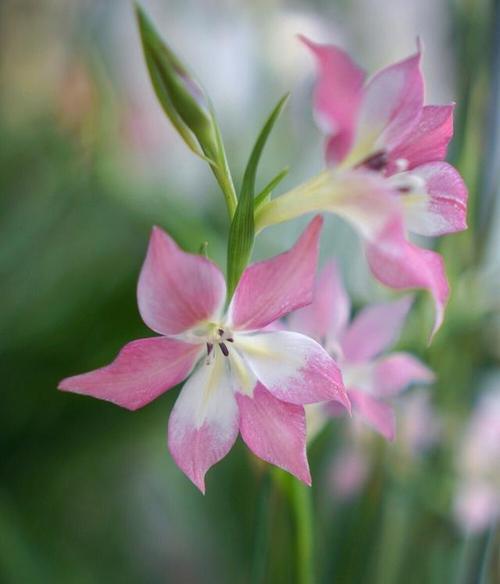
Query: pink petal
328	314
349	471
293	367
143	370
176	289
401	265
397	371
337	96
375	329
270	289
391	105
477	505
275	431
204	422
421	426
429	140
374	412
365	200
445	208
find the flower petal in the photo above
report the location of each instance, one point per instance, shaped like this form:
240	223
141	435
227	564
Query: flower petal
390	109
337	96
293	367
270	289
396	372
203	425
442	207
275	431
326	317
349	471
374	329
374	412
428	141
143	370
176	289
365	201
401	265
363	198
476	505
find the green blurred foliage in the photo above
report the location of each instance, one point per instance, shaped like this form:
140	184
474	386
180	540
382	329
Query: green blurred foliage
88	492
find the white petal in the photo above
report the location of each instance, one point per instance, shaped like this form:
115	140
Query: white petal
204	422
293	367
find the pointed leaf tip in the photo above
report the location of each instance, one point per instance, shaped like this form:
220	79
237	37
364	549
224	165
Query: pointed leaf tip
242	231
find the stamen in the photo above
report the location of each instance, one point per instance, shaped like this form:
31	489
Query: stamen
209	348
377	161
224	349
220	331
401	164
231	340
407	182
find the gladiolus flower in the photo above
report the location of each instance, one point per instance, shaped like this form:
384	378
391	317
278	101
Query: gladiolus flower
477	501
371	377
420	425
387	175
241	378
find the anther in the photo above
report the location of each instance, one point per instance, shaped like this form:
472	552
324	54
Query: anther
377	161
209	348
220	331
224	349
231	340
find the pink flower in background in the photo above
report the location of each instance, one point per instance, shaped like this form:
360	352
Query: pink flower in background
349	471
419	423
381	132
477	501
419	429
241	378
370	377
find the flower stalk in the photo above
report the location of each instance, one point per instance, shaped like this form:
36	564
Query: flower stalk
302	508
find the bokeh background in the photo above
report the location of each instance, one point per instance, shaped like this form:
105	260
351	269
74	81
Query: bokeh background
88	492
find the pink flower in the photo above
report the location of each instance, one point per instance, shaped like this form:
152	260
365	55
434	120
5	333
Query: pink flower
370	377
477	501
476	506
420	425
387	176
349	471
241	378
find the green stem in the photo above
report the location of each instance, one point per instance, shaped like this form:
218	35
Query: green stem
262	528
225	182
220	169
487	559
302	507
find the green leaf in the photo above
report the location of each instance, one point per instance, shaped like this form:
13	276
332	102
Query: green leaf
242	231
269	188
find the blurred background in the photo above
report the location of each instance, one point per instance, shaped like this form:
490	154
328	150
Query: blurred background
88	162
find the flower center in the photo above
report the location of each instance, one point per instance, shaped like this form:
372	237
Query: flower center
402	181
376	162
406	183
218	336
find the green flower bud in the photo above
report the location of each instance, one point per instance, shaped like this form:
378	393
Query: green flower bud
180	95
